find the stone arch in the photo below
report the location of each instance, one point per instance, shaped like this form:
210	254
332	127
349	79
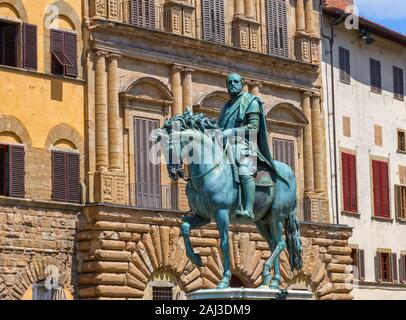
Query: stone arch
15	126
67	13
3	289
34	272
287	114
149	88
65	132
212	103
17	7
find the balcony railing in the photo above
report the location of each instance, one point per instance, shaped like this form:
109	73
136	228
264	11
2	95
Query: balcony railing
154	196
229	35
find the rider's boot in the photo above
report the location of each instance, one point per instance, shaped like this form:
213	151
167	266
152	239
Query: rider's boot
248	193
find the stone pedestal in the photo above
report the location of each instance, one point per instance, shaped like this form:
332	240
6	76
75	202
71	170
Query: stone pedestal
247	294
110	187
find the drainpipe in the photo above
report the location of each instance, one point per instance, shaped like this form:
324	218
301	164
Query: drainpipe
331	42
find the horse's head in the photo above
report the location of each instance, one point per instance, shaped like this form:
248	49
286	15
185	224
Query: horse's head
176	133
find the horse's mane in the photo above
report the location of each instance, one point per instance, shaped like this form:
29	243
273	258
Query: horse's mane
193	121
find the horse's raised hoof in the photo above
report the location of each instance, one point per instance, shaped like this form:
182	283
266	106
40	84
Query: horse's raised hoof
197	260
225	282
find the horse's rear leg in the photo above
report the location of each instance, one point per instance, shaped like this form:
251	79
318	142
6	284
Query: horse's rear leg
278	245
223	223
193	222
264	229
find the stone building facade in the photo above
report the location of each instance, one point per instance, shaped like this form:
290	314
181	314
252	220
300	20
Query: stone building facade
41	115
144	61
367	182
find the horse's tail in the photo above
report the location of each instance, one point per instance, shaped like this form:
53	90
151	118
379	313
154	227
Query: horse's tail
293	242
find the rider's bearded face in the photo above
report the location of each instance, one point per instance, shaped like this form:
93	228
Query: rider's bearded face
234	85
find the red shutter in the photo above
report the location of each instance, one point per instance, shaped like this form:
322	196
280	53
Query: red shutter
394	263
59	191
30	46
17	171
70	52
73	178
385	190
353	182
346	182
361	264
377	188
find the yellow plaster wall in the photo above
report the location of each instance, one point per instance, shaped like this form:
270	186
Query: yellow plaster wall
37	99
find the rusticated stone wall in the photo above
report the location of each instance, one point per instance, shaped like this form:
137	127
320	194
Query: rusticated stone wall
33	236
120	248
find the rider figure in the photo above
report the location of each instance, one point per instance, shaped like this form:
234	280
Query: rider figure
242	117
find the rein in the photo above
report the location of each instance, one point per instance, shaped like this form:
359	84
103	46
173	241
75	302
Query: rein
210	170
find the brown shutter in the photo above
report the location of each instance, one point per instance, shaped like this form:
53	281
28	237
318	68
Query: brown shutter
361	264
375	70
385	190
277	25
344	59
353	182
148	188
394	264
206	19
57	51
70	52
73	178
30	46
151	15
17	171
218	6
402	268
378	273
398	87
59	191
135	12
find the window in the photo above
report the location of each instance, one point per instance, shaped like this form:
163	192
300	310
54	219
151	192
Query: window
65	177
277	25
64	53
142	13
358	261
376	80
213	20
380	189
398	88
401	141
162	293
345	70
386	267
400	198
402	268
284	151
9	40
12	171
349	180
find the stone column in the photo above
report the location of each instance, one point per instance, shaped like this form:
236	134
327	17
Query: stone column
238	7
115	132
317	144
176	87
309	17
300	16
308	145
102	160
249	8
187	88
254	87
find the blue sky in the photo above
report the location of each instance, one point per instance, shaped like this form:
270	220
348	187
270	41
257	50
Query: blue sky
390	13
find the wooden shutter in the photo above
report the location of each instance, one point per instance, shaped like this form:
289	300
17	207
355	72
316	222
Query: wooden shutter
206	19
349	176
400	200
213	20
30	46
59	192
284	151
394	265
344	57
57	51
376	80
143	13
378	273
376	174
8	47
361	264
385	190
402	268
398	87
148	188
346	182
70	52
277	25
73	178
135	12
17	171
218	6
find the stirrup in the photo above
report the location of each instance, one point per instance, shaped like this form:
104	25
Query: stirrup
244	214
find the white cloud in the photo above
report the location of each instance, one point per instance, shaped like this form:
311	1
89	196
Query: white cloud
378	9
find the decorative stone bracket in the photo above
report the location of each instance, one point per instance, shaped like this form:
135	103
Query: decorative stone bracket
110	187
307	48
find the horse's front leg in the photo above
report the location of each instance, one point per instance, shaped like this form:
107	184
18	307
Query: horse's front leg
223	223
278	245
193	222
